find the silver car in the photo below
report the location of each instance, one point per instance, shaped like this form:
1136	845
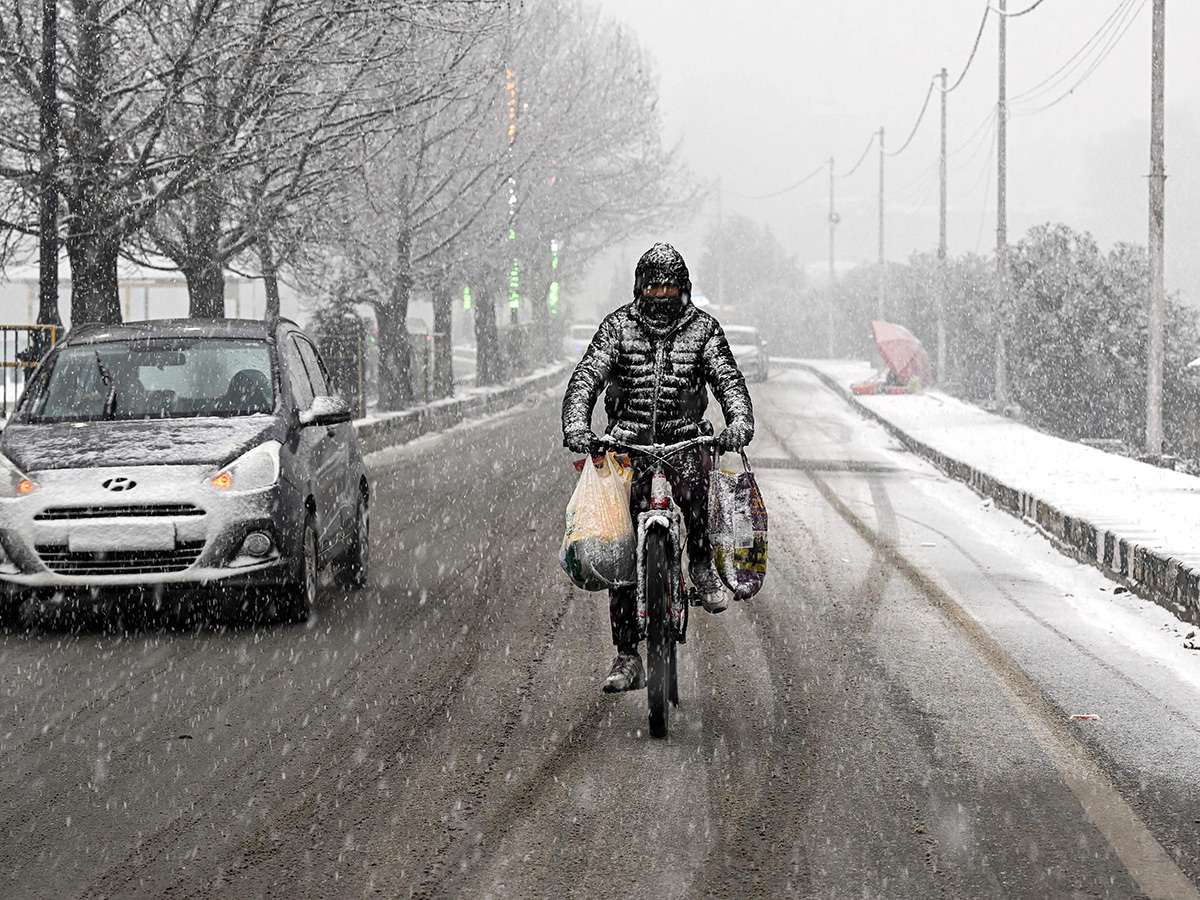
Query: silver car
750	351
183	453
577	339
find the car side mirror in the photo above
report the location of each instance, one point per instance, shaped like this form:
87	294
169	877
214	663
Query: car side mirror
326	411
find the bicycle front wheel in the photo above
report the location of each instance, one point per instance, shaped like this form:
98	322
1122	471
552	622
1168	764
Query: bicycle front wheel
660	638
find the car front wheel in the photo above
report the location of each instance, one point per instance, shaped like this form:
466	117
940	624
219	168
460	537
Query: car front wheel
299	598
351	571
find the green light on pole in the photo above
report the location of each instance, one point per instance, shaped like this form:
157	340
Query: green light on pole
514	285
552	299
466	296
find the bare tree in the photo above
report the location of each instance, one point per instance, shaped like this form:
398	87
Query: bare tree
454	195
125	70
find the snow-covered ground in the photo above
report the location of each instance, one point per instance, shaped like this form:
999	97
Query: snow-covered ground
1157	508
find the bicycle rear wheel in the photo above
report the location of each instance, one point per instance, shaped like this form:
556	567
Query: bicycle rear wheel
660	638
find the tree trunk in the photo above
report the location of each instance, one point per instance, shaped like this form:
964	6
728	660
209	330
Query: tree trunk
204	271
443	326
541	349
206	290
94	292
489	362
266	261
395	375
395	386
92	241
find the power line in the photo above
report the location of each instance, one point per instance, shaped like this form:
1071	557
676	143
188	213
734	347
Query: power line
907	188
912	134
987	168
1078	58
1112	43
811	175
918	187
987	120
866	150
1013	15
970	59
987	138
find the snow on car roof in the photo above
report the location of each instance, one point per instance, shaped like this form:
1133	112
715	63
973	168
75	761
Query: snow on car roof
169	328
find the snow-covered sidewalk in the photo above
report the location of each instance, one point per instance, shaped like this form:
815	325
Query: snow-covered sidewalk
379	430
1139	522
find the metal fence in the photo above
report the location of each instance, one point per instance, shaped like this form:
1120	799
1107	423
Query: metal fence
423	352
21	349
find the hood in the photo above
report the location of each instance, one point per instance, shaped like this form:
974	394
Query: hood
662	264
146	442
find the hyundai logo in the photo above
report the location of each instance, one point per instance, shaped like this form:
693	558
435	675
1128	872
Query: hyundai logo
120	483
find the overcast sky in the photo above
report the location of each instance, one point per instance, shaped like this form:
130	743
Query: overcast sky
760	92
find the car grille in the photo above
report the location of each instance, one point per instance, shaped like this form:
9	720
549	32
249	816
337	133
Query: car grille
58	513
120	562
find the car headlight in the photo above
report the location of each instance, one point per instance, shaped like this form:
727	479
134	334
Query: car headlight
13	482
254	469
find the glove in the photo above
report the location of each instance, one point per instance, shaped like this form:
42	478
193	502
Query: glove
579	441
731	440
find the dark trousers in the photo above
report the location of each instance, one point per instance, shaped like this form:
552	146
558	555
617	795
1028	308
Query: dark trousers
688	474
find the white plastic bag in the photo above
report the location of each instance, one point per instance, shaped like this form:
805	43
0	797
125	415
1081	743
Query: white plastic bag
598	548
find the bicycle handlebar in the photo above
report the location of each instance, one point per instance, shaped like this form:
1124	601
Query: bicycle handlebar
661	451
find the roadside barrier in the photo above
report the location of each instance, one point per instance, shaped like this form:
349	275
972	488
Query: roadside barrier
389	429
1167	581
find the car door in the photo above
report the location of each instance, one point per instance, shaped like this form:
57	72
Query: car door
314	449
333	465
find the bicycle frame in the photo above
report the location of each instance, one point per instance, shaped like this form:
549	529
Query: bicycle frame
665	514
668	630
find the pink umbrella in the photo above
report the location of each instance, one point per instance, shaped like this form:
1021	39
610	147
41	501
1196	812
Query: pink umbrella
902	352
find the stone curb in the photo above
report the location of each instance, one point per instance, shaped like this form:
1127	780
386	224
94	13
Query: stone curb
1147	572
391	429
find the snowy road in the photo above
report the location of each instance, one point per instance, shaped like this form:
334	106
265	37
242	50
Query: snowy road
891	717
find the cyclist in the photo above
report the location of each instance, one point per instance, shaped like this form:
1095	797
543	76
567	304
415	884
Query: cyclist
657	357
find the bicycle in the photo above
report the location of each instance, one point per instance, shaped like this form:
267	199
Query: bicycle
662	599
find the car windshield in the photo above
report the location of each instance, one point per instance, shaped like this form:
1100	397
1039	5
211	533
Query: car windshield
154	379
583	332
741	335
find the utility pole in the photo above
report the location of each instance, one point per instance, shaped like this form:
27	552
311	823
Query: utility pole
882	264
1001	386
833	220
941	253
48	188
1158	177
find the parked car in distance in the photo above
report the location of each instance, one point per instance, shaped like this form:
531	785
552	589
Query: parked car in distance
577	339
187	453
750	351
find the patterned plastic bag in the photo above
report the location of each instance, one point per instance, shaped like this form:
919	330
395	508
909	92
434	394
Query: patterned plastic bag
598	548
737	529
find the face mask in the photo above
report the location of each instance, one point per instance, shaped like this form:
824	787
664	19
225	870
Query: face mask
661	309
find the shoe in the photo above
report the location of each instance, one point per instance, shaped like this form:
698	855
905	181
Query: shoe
708	588
626	674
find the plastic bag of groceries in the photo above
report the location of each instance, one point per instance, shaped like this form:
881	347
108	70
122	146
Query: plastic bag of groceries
737	529
599	548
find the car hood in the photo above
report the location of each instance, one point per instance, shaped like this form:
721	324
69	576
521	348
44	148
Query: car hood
742	349
147	442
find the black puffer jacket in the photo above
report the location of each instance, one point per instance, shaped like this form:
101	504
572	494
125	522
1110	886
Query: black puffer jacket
657	380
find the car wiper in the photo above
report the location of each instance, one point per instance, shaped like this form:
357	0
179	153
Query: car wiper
110	399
